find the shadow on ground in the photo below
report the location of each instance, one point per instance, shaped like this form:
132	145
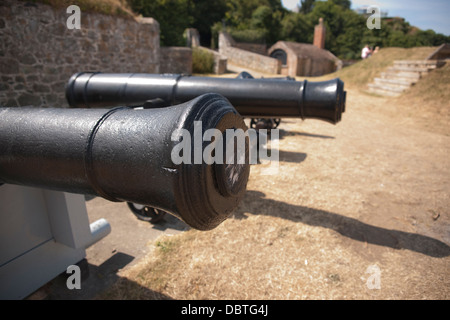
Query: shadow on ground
291	156
97	279
283	133
255	202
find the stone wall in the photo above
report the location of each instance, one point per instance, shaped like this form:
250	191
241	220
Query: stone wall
175	60
193	41
220	61
441	53
308	67
250	60
252	47
38	53
305	60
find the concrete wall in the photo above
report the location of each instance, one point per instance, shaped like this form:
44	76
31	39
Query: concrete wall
245	58
38	53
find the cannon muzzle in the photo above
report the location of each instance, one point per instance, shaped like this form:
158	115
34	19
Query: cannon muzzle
254	98
125	154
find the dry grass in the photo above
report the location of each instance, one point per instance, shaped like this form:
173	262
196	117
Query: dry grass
429	101
109	7
361	73
421	105
425	105
372	190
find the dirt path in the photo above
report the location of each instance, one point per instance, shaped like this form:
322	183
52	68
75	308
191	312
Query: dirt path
360	210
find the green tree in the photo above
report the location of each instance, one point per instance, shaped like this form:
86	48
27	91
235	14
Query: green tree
240	12
376	37
343	3
296	27
268	21
334	19
306	6
205	14
349	41
173	17
395	32
253	20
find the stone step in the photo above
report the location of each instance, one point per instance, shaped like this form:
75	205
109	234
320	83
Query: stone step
395	76
386	87
414	77
405	74
393	82
429	64
383	92
402	75
408	69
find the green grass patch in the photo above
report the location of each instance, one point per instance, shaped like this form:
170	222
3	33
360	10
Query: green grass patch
202	61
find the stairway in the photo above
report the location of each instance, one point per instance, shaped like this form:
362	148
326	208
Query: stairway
402	75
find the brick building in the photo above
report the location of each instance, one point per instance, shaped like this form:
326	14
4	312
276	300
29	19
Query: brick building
304	59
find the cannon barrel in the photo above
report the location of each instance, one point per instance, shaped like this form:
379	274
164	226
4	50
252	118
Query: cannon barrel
255	98
124	154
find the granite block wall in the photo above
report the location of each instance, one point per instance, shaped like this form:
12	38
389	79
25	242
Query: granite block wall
39	53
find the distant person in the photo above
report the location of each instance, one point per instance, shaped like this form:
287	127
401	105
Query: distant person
366	52
376	50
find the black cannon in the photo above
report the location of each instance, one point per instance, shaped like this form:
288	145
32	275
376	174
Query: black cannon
252	98
263	123
124	154
265	101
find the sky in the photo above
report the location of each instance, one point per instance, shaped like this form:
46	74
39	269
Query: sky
424	14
